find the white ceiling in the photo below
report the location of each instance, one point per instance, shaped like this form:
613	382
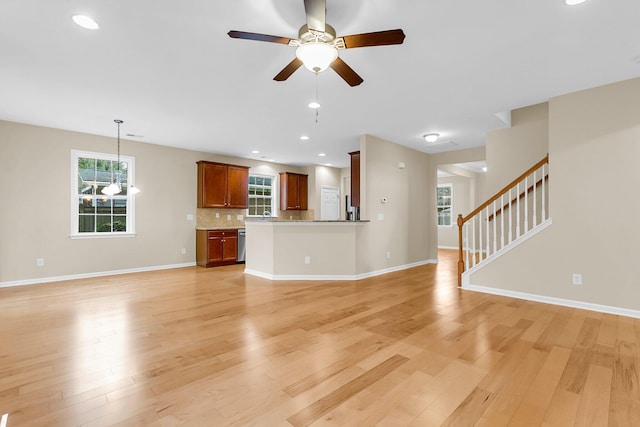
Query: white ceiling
169	70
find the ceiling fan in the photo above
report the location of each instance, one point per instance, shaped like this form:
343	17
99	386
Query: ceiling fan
317	44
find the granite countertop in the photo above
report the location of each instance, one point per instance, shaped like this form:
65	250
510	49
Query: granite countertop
221	227
306	221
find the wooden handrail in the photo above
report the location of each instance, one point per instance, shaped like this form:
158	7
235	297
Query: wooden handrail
505	189
462	220
521	196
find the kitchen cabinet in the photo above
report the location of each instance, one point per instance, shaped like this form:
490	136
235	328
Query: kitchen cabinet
355	178
294	191
221	185
216	247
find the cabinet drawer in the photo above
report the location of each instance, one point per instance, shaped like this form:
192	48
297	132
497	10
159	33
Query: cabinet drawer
221	233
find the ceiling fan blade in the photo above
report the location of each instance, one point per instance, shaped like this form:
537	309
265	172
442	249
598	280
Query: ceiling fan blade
351	77
258	37
288	70
379	38
316	14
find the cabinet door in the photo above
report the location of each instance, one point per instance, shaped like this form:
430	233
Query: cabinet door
292	192
238	187
303	192
355	178
214	248
230	248
212	185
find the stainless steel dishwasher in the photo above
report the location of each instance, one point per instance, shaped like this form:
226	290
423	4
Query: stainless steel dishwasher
242	245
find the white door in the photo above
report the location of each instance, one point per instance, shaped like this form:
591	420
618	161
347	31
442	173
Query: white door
330	207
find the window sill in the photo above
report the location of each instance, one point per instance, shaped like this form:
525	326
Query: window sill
100	235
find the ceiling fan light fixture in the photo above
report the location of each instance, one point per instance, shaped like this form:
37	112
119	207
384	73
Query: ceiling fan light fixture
316	56
431	137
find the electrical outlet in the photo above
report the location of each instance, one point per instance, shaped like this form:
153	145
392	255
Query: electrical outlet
189	217
239	217
228	217
217	215
39	262
388	255
576	279
307	260
183	251
380	217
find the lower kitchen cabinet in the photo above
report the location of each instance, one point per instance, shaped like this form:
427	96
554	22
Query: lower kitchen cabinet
216	247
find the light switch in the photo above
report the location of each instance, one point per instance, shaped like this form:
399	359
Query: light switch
380	217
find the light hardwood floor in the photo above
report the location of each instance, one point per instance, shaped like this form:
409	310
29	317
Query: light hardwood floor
213	347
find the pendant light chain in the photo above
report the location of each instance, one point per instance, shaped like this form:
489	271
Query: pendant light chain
317	97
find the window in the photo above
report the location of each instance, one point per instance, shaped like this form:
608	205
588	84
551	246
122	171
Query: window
94	214
262	195
445	204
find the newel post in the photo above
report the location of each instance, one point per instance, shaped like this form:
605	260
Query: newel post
460	257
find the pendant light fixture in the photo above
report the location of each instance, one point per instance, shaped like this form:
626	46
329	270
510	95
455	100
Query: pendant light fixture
116	187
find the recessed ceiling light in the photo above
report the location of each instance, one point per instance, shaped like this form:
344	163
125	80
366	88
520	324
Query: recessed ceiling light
328	164
321	154
85	22
574	2
255	152
314	104
431	137
304	137
484	169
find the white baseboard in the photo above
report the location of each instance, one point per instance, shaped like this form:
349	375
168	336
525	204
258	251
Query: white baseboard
553	300
90	275
338	276
448	247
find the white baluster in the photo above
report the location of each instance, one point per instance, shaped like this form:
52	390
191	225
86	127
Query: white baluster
466	239
480	244
510	216
544	194
488	235
517	210
495	235
535	200
526	205
473	240
501	221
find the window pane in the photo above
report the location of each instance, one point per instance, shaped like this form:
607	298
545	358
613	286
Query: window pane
86	205
86	223
103	224
119	223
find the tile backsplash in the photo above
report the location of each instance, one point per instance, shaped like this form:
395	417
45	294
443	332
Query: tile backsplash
207	217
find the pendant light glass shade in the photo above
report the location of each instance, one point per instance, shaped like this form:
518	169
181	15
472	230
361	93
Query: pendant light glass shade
316	56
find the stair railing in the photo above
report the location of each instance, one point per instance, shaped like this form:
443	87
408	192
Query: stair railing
510	214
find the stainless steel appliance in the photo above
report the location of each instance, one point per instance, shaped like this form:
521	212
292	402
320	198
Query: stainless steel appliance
242	246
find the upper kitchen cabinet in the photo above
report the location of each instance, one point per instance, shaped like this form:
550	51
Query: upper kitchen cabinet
222	186
294	191
355	178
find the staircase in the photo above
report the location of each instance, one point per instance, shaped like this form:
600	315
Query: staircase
511	216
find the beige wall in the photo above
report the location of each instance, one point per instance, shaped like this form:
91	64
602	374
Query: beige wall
320	176
511	151
462	202
408	230
35	212
594	152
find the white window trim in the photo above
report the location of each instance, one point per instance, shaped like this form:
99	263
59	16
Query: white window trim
131	215
274	194
452	219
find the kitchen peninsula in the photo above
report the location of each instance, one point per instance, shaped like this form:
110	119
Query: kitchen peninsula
303	250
